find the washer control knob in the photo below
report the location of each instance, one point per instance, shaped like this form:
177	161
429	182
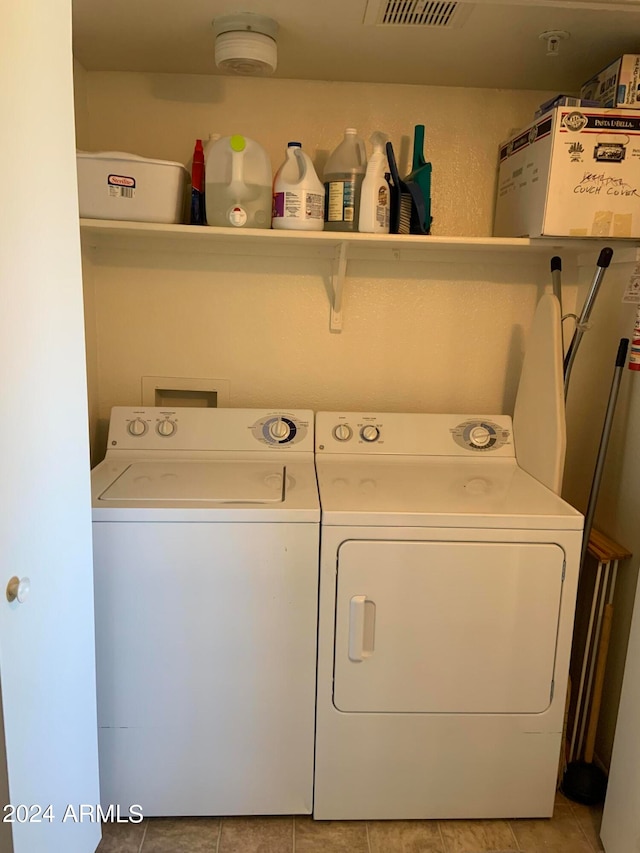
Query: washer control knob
137	427
369	433
480	435
342	432
279	430
166	427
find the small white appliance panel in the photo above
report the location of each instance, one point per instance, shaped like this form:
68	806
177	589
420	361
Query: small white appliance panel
206	538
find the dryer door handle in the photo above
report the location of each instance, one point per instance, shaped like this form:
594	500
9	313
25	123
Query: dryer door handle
362	623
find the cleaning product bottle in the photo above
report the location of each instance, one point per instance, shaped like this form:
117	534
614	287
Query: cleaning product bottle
343	176
298	194
197	216
375	195
238	183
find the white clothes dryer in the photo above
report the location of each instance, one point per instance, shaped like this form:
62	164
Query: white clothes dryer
447	588
206	525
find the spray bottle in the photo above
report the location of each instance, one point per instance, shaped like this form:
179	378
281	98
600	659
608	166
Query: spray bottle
197	216
374	194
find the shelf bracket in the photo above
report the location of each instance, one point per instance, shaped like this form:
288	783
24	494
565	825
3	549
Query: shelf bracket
337	283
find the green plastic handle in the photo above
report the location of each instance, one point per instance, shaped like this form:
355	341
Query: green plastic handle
418	147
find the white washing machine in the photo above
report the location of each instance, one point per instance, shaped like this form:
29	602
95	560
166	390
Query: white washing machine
206	525
447	587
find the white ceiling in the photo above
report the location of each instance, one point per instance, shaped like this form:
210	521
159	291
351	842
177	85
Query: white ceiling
497	46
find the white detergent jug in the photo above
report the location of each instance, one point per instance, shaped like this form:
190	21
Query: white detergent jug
238	183
298	193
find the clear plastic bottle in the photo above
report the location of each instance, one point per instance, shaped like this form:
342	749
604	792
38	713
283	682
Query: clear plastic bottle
238	183
298	193
343	176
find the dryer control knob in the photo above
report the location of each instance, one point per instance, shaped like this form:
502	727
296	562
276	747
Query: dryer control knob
137	427
369	433
480	435
342	432
279	430
166	428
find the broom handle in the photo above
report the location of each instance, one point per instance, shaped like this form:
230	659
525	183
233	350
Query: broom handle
556	277
556	281
594	714
621	358
602	264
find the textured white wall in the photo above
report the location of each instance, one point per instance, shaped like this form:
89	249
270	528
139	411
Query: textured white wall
436	337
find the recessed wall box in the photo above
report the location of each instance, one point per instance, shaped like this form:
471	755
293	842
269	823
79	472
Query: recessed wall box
176	392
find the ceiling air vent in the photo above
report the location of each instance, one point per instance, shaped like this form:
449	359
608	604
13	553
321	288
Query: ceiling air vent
416	13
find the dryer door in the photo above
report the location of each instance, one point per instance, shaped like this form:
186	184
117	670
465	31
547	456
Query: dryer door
446	627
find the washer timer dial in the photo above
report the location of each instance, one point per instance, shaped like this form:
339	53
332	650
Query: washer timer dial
279	430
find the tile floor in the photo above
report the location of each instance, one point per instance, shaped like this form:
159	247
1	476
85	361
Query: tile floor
572	829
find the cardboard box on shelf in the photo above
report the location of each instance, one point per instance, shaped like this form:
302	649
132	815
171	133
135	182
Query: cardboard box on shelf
618	85
571	173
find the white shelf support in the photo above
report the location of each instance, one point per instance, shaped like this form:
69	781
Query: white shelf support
338	274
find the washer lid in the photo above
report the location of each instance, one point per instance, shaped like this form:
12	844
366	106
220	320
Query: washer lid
223	481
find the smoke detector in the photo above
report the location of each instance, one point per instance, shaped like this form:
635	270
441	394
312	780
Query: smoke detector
246	43
553	39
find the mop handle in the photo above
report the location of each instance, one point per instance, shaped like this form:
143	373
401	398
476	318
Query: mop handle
556	272
621	358
556	282
602	264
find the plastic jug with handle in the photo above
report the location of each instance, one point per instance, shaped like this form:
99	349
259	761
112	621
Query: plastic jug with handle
298	193
238	183
343	176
